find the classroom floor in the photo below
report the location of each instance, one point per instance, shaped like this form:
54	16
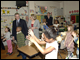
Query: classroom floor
15	53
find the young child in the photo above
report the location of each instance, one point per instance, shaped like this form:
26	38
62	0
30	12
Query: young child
69	41
20	41
45	26
8	39
76	40
56	25
51	49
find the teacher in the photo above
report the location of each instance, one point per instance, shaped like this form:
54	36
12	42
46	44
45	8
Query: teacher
34	25
49	19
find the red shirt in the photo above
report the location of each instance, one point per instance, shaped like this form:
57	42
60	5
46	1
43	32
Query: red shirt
32	25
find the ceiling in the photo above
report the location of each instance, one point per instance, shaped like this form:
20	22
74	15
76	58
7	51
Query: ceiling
58	1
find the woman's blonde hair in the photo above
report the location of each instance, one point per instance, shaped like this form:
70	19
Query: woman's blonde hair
33	16
71	28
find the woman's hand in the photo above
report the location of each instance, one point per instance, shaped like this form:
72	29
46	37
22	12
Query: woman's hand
30	32
32	28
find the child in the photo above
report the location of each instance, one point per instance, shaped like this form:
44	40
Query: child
45	26
56	25
20	41
76	40
69	41
7	37
51	50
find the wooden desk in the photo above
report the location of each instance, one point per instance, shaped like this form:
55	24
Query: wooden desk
29	51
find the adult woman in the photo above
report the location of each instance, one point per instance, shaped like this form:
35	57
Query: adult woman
49	19
34	25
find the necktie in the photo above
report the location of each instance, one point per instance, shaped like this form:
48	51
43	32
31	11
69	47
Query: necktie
17	23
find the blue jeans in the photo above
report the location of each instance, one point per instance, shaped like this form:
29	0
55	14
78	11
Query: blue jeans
23	55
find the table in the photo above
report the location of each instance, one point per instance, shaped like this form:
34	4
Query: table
29	51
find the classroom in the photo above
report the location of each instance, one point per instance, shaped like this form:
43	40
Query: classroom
39	29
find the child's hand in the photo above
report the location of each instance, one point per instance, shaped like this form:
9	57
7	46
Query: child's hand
69	45
73	33
17	46
31	39
44	23
30	32
2	37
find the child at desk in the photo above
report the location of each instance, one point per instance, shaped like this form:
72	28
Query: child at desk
7	37
56	25
69	41
51	50
45	26
20	41
76	40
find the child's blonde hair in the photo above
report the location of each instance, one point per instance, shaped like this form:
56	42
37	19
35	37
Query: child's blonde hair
71	28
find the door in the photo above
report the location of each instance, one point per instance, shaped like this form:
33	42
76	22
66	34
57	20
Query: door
77	18
73	18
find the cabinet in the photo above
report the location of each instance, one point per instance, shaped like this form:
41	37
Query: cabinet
75	18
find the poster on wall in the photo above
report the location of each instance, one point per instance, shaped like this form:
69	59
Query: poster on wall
41	9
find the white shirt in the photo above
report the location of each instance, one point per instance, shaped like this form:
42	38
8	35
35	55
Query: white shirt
53	54
56	25
7	35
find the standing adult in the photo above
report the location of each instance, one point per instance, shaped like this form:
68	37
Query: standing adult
27	19
34	25
49	19
19	23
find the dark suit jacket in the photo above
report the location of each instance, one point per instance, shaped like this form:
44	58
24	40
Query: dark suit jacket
49	21
23	25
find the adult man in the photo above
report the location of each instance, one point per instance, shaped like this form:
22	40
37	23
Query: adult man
49	19
19	23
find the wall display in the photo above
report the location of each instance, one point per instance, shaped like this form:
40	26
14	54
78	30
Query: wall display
6	21
41	9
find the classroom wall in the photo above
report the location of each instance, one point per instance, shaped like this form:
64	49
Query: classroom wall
8	3
69	6
48	4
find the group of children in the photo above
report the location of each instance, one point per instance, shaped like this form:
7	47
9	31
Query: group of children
49	34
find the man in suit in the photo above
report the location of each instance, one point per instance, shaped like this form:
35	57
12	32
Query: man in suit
49	19
19	23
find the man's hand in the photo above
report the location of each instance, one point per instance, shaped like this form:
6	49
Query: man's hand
3	40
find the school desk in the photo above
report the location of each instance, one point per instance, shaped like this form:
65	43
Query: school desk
29	51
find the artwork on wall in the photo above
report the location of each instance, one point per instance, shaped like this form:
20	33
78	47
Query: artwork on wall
41	9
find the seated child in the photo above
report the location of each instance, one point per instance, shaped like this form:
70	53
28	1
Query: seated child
20	41
45	26
76	40
51	49
56	25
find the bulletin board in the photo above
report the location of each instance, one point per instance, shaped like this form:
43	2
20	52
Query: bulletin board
7	17
6	21
41	9
40	18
